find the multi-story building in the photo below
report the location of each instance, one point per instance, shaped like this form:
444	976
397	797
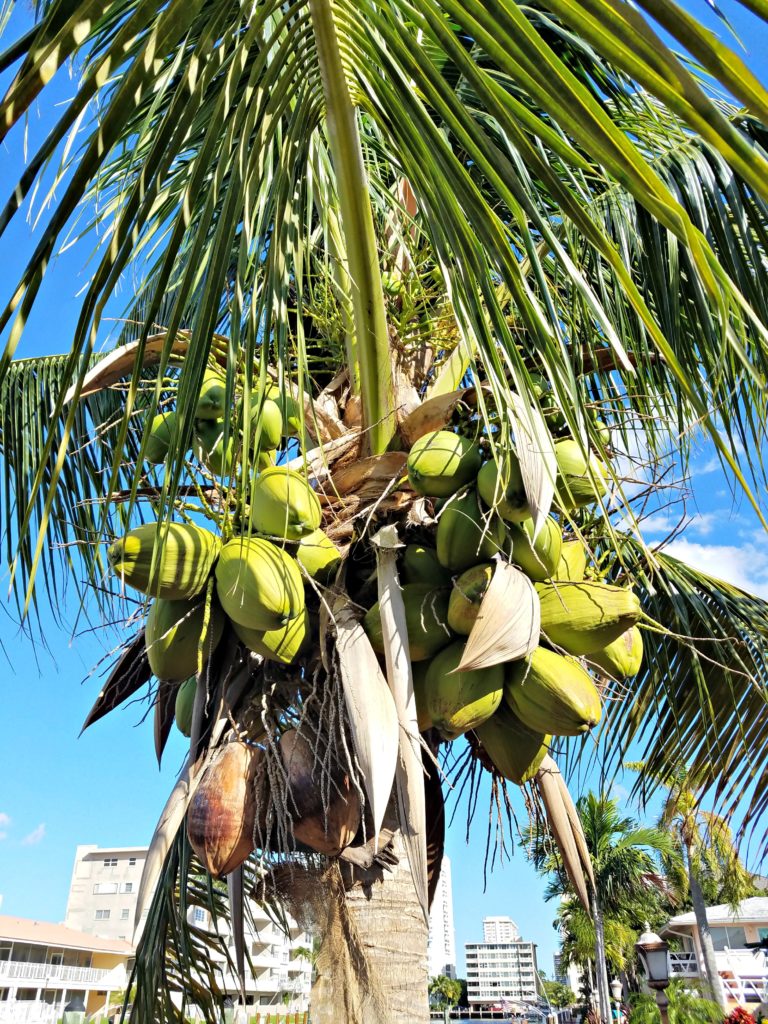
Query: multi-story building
43	967
442	936
102	901
501	972
570	975
500	929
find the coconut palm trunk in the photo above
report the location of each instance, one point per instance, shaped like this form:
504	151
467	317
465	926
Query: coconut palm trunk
601	966
705	936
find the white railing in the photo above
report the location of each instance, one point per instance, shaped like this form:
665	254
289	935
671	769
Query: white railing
29	1012
11	970
683	965
745	990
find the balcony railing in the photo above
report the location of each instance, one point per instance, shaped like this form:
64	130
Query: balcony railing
16	970
744	976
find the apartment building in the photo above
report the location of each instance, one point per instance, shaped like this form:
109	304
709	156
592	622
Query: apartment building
43	966
102	901
442	935
501	972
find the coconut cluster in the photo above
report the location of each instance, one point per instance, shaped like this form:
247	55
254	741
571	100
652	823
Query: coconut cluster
265	585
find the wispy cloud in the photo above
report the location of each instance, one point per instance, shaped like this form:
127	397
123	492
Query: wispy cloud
745	566
35	836
5	821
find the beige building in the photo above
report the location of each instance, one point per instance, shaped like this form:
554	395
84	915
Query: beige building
102	901
44	966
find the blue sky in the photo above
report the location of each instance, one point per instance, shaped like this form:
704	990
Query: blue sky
57	791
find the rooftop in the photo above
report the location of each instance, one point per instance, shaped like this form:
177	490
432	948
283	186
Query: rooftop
753	909
44	933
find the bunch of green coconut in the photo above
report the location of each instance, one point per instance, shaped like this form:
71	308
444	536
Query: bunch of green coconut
265	586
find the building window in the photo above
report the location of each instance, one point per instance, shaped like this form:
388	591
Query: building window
127	887
199	915
102	915
131	862
110	862
105	888
124	914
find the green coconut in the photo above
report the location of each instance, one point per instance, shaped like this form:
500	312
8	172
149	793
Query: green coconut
420	565
283	504
623	658
185	705
551	693
514	750
575	486
466	535
208	446
284	644
290	410
459	701
426	620
572	564
159	437
537	558
266	423
466	597
176	632
258	584
212	401
502	489
185	556
586	617
441	462
317	555
419	671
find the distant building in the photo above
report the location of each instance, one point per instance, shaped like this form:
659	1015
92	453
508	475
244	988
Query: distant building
44	966
102	901
500	929
442	935
743	970
570	976
503	968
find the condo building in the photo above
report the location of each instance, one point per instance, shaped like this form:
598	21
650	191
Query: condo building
442	936
502	969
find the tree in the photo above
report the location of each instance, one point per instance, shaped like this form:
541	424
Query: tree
703	856
558	994
686	1006
355	209
444	991
626	887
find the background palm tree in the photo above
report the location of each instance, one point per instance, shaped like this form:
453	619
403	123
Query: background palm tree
542	189
627	891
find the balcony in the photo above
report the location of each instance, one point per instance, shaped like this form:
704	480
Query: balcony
51	974
744	976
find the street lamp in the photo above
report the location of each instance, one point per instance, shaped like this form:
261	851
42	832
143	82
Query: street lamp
616	992
74	1011
228	1010
652	953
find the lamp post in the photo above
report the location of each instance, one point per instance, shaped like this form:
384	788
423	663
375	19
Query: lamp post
652	954
616	993
74	1011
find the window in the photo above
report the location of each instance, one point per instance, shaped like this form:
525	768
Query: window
110	862
131	862
102	915
105	888
199	915
124	914
733	938
127	887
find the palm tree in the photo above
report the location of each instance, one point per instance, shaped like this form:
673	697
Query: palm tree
703	856
625	892
403	215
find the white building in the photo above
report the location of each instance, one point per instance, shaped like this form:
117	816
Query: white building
500	929
442	935
102	901
501	970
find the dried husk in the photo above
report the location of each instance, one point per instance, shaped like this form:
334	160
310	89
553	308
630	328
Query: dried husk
222	814
561	827
508	623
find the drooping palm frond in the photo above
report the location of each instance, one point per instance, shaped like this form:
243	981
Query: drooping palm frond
221	162
702	694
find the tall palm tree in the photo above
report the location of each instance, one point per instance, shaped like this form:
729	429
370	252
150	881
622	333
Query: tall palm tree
704	855
625	890
371	205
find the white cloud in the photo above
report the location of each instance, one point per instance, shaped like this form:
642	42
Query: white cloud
746	566
35	836
662	524
5	821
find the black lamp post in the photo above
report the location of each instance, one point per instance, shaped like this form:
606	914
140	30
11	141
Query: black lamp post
74	1011
652	953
